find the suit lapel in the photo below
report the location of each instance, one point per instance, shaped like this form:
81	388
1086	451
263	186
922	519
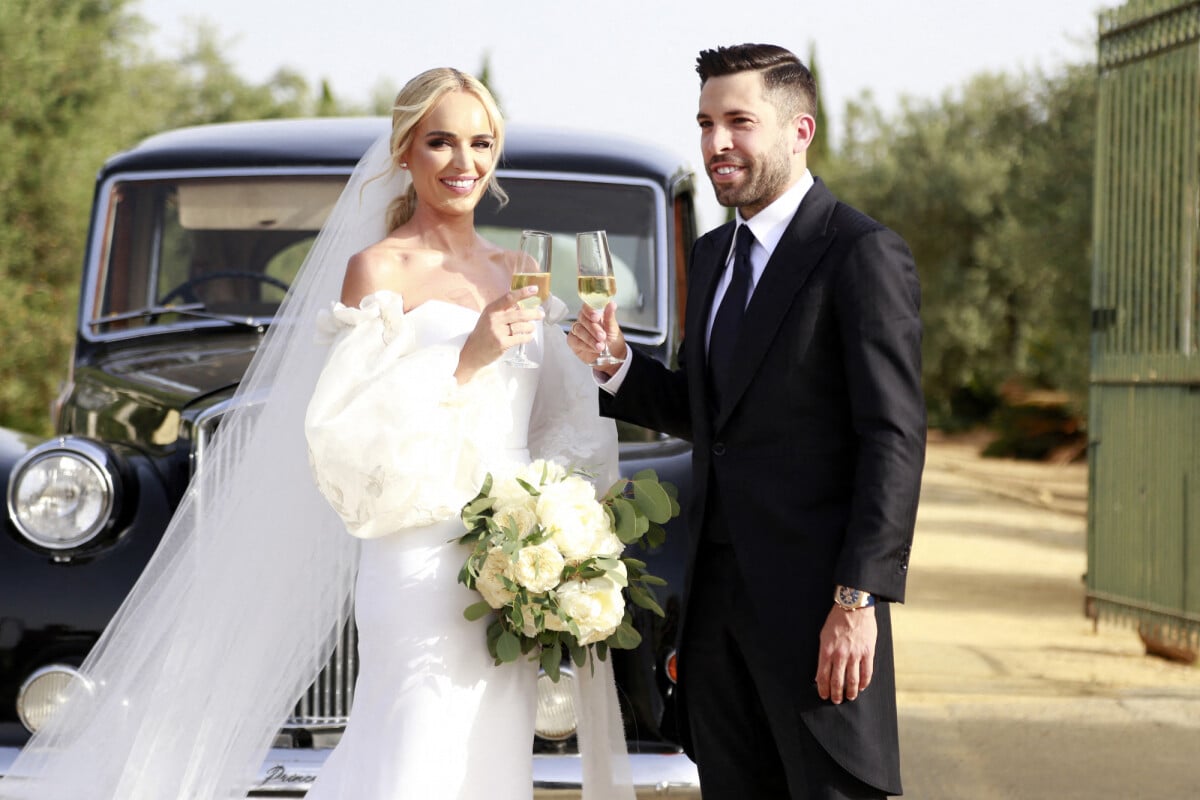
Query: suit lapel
799	251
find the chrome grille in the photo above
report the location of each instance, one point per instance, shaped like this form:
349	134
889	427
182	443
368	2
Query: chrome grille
327	702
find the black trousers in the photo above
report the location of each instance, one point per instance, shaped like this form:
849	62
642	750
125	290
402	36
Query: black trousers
749	741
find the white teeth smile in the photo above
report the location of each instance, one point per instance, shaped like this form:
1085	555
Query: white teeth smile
460	184
726	170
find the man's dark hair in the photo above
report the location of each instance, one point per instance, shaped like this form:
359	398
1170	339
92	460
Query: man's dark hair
787	81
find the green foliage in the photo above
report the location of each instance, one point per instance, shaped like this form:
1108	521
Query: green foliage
485	77
77	84
819	152
992	188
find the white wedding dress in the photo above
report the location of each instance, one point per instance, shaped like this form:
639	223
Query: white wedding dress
398	447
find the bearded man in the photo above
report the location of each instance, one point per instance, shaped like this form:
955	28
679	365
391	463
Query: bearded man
799	385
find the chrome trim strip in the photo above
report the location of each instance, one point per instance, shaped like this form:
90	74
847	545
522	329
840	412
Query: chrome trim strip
290	772
287	771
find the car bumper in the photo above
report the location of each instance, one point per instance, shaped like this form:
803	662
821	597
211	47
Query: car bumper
288	773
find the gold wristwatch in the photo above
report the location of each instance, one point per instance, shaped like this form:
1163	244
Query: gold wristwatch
851	599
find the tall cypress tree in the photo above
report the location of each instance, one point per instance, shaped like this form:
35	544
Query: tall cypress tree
819	150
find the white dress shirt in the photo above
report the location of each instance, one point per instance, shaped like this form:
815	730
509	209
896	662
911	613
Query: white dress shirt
768	227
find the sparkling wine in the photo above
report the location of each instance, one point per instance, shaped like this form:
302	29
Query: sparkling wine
597	290
539	279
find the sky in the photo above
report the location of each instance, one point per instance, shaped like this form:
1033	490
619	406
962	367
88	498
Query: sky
628	66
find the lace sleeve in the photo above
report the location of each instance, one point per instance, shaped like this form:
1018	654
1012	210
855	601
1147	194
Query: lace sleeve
393	441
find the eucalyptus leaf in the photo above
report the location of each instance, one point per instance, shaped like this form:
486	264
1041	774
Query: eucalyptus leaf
645	599
477	611
529	487
655	536
476	507
551	660
627	637
508	647
625	514
578	651
652	500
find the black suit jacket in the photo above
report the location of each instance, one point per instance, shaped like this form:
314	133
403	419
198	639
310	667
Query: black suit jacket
816	459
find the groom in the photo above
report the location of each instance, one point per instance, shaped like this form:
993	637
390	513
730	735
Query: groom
799	384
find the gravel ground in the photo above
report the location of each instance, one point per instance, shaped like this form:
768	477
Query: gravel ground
1006	689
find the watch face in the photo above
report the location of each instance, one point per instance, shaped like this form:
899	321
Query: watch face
850	598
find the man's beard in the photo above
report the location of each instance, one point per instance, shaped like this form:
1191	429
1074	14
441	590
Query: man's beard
768	178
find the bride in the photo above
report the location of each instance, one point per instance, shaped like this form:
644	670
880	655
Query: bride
398	401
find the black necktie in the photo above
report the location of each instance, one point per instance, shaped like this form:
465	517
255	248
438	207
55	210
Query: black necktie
722	341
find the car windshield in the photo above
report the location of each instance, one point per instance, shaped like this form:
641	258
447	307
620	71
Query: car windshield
200	249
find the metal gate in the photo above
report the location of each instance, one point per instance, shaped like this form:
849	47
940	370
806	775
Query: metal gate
1144	418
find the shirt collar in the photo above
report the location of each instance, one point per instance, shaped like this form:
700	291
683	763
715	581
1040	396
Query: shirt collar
769	225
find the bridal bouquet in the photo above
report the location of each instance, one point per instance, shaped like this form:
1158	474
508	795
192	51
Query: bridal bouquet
547	557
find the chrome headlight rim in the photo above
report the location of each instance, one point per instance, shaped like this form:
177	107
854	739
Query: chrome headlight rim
99	459
565	680
73	673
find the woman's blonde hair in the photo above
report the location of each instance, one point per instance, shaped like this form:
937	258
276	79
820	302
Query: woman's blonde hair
413	103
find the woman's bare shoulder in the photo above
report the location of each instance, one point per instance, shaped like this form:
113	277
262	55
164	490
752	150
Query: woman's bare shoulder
383	265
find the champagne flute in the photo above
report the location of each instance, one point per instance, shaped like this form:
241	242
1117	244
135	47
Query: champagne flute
597	284
533	269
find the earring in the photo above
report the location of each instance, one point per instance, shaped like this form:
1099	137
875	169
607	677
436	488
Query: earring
403	165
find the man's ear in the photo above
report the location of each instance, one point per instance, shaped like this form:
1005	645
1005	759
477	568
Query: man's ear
803	129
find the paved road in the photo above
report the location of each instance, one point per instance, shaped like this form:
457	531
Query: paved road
1005	689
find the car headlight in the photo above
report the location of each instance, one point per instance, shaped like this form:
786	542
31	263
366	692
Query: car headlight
45	692
63	494
556	719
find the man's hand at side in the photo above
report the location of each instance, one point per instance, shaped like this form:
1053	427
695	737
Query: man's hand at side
847	657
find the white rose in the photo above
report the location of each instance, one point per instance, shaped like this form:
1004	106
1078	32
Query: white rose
528	628
575	519
596	605
608	543
539	567
541	471
507	493
489	584
522	517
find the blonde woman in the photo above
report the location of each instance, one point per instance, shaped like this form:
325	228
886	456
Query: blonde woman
372	411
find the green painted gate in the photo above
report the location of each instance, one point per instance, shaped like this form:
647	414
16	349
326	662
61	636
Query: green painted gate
1144	417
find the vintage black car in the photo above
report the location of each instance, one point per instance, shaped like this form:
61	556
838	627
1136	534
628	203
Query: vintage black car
194	238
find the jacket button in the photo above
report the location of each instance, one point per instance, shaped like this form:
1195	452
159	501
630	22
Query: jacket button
718	449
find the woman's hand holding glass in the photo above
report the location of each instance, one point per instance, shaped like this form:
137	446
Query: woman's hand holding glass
533	270
502	325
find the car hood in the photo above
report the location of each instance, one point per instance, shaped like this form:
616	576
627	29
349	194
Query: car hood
185	374
142	393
